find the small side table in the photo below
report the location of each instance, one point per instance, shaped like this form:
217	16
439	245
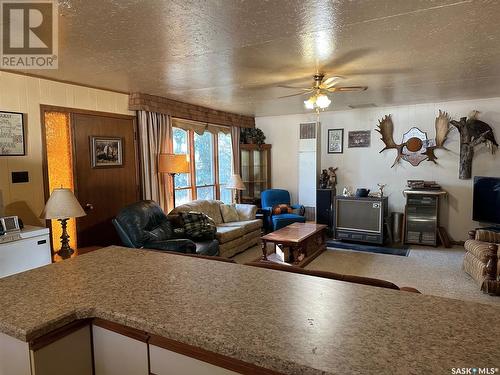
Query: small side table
263	215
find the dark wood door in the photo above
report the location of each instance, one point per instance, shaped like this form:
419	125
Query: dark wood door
103	191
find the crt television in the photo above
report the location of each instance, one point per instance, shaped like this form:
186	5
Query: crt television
486	202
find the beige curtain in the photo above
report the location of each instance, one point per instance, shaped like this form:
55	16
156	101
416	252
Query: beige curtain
200	127
155	133
235	139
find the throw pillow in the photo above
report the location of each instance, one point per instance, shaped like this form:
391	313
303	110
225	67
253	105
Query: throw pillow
229	213
197	226
279	209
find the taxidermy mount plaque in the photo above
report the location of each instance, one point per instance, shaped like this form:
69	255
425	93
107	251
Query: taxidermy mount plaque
472	133
415	146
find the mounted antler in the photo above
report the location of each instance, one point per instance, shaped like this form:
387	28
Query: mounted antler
386	129
442	130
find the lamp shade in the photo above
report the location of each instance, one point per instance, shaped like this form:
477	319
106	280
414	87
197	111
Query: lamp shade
235	182
62	204
173	163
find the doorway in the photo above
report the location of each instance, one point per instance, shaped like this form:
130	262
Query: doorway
95	155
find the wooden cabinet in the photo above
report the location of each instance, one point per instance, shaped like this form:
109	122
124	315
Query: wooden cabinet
166	362
255	171
117	354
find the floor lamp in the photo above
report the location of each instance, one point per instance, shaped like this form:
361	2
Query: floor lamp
173	164
235	183
62	205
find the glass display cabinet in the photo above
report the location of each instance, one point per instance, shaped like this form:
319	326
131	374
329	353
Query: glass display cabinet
255	171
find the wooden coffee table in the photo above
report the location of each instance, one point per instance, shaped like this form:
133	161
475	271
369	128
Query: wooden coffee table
300	242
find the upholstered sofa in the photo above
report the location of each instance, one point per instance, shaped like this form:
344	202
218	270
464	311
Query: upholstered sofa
233	236
482	259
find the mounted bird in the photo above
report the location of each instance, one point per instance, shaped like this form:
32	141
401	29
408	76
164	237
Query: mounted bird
472	133
415	147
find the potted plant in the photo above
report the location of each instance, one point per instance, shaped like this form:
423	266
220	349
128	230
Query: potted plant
252	136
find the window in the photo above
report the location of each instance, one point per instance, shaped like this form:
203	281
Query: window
211	163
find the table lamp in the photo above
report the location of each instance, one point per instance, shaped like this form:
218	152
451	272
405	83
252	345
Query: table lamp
235	183
173	164
62	205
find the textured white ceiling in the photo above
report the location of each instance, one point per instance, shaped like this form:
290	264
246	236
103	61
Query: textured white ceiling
231	54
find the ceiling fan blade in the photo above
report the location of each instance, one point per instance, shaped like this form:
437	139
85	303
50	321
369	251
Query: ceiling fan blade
296	94
347	88
294	87
329	82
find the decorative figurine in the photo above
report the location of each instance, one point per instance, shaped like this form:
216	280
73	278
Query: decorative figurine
346	192
381	189
323	179
332	178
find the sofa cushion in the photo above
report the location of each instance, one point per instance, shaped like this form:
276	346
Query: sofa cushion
246	211
479	249
247	225
211	208
197	225
487	236
226	233
229	213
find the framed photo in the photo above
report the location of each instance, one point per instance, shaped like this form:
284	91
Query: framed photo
106	152
359	138
12	140
335	141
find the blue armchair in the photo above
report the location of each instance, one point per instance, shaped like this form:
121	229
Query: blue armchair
272	197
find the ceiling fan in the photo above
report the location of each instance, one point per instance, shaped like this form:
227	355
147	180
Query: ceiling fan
320	89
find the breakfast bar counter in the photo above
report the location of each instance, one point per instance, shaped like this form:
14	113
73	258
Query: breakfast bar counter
271	320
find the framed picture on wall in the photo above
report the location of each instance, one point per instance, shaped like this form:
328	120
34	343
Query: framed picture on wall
335	141
12	140
106	152
359	138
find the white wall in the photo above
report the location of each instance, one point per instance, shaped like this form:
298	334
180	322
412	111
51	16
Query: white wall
365	167
24	94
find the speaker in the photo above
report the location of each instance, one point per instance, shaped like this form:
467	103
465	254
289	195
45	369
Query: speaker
324	206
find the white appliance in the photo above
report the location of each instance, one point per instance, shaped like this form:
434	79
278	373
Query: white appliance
309	165
24	250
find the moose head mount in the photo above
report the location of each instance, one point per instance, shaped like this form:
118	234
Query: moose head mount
472	133
415	147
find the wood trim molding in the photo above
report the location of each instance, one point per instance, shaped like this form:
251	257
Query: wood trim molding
122	330
209	357
58	334
174	108
54	108
74	83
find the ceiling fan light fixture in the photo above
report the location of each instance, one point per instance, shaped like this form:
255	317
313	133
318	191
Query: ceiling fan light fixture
309	103
322	101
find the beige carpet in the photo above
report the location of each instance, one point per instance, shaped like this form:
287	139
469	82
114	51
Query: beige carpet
434	271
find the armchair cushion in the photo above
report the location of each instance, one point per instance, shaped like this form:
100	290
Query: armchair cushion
479	249
179	245
163	231
488	236
298	209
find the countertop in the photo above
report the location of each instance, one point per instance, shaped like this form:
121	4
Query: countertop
286	322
